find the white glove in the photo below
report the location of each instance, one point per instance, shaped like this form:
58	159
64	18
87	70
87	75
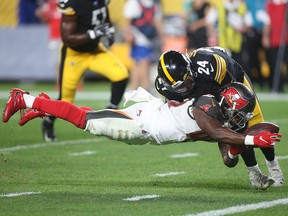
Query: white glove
101	30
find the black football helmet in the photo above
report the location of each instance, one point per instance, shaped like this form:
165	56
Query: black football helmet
237	103
176	72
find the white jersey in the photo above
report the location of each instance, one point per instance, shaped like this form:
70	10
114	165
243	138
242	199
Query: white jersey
163	123
148	120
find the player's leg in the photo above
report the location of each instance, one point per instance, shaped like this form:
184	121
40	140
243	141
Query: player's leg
271	161
20	99
140	72
107	64
117	124
230	160
32	113
72	67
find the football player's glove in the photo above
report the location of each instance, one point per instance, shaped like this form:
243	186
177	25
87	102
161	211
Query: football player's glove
101	30
263	139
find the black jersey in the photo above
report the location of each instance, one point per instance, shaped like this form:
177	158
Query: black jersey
214	68
90	13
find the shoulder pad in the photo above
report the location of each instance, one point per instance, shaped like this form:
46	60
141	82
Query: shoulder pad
209	105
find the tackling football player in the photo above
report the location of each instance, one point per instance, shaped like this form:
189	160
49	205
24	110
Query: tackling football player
203	71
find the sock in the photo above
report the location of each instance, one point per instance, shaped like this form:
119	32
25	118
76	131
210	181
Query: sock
269	153
117	91
63	110
249	158
29	100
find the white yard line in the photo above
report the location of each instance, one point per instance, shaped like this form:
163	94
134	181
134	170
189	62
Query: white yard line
279	121
18	194
42	145
82	153
242	208
282	157
184	155
168	174
137	198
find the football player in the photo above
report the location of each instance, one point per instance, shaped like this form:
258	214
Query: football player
152	120
203	71
84	23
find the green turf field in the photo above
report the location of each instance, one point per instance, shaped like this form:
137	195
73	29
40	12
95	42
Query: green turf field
86	175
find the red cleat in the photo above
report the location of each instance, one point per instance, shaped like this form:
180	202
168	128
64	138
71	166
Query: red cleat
15	103
33	113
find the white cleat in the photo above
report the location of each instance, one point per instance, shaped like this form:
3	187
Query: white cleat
257	179
275	173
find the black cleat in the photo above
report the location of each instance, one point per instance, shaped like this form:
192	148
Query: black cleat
48	131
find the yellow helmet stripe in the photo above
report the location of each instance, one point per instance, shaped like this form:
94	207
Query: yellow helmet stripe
67	11
169	77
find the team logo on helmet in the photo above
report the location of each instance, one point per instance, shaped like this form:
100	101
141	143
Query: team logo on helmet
234	99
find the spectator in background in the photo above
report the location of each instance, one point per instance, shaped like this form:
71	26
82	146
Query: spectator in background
228	19
83	24
49	14
195	13
275	39
27	12
256	18
143	24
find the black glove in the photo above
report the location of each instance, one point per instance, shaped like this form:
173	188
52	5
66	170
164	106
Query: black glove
111	39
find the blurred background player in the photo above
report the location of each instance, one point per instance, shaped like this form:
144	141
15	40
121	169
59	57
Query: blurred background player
275	39
256	61
83	24
143	23
49	14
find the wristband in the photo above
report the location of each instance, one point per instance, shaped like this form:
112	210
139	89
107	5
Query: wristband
91	34
249	140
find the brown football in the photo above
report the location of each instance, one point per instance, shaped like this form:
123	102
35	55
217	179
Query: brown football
263	126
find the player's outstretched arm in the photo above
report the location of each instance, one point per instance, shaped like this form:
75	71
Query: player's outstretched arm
214	128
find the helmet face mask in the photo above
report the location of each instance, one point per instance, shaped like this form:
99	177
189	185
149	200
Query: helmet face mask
235	119
237	103
176	73
181	87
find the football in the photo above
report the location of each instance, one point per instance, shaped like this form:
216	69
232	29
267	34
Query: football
260	127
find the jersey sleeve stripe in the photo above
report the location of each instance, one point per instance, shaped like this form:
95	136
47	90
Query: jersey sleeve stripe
221	68
67	11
